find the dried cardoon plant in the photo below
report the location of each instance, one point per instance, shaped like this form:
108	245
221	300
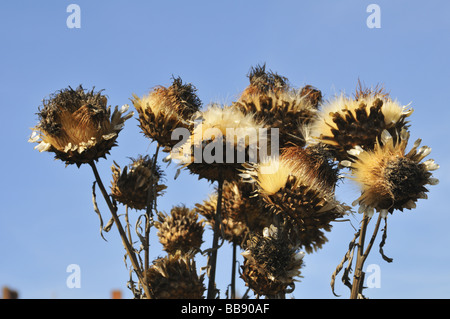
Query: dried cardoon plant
137	186
296	193
220	142
270	98
175	277
77	126
223	138
181	230
390	178
271	263
166	108
270	206
345	122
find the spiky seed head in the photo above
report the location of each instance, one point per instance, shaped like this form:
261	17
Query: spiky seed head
389	177
135	185
288	111
222	139
77	125
344	122
300	198
270	98
263	81
175	277
271	262
165	109
180	231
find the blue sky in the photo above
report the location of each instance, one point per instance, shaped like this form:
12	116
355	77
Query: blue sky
47	221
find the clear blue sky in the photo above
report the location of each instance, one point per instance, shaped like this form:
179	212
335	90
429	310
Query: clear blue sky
47	221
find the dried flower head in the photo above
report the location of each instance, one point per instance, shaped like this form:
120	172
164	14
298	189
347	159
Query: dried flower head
77	126
389	177
263	81
271	262
135	186
222	139
288	111
345	123
180	231
175	277
241	213
271	99
305	202
165	109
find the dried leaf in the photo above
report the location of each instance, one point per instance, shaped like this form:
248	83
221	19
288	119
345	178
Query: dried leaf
97	211
348	256
108	226
383	241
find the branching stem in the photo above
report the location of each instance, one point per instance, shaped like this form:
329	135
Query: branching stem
362	255
129	249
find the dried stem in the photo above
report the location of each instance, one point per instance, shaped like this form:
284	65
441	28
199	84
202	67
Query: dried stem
129	249
348	257
374	235
215	244
358	276
233	273
149	215
128	224
362	256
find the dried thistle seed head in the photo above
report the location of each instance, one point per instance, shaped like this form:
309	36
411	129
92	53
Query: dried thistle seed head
389	177
137	184
180	231
222	139
345	122
175	277
165	109
241	213
288	111
263	81
300	198
77	126
271	262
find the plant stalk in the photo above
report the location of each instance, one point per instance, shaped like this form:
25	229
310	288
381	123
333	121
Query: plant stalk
233	273
361	257
215	244
129	249
149	215
358	276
